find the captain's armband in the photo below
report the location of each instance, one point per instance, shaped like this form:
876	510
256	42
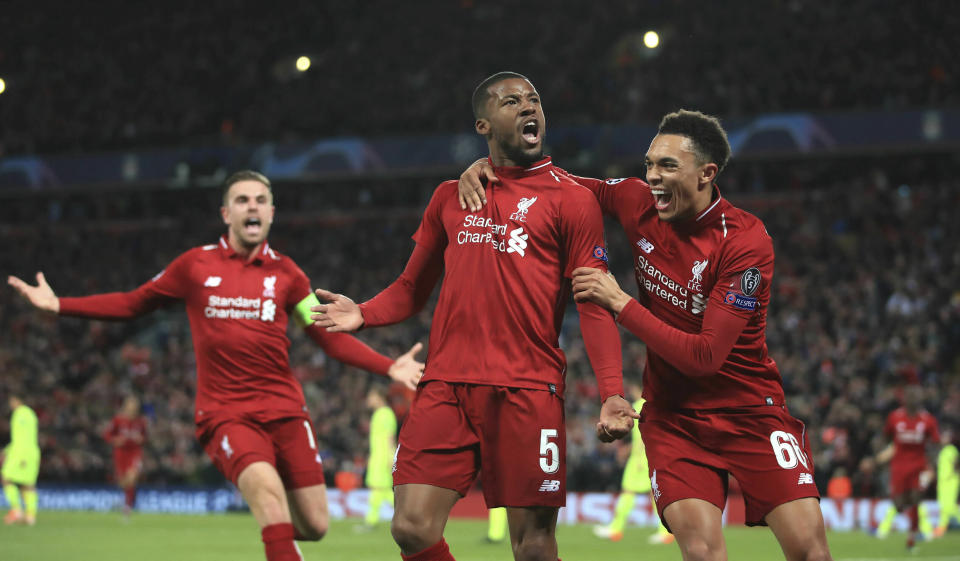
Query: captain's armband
301	312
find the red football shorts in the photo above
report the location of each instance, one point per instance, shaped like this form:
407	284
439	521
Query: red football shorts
764	448
514	437
905	477
234	442
125	460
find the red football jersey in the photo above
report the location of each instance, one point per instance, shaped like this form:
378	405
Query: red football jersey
910	434
132	433
238	312
506	268
722	258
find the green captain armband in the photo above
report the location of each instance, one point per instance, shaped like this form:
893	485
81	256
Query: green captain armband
301	312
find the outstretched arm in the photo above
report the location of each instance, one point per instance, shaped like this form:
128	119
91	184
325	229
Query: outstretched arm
350	350
41	296
695	354
113	305
403	298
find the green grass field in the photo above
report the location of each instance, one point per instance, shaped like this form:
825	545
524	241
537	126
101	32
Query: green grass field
78	536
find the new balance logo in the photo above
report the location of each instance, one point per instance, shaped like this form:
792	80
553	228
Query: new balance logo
646	246
518	241
212	281
550	486
805	479
225	445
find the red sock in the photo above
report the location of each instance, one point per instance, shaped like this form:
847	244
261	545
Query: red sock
278	543
436	552
914	518
130	496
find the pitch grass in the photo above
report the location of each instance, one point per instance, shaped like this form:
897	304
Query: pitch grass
80	536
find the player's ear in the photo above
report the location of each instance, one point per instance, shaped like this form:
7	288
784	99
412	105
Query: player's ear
224	212
708	173
482	127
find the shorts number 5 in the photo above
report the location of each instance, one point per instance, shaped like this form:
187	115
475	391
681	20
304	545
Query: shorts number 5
787	450
549	451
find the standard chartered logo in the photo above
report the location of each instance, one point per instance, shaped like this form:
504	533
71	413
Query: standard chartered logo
517	242
223	307
493	234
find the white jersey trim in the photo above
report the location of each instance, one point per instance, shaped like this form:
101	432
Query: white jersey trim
709	208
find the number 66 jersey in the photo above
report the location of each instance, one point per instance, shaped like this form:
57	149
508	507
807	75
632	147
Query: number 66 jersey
721	259
715	402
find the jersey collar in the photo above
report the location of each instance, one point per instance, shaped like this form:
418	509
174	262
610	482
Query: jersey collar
265	251
710	215
519	172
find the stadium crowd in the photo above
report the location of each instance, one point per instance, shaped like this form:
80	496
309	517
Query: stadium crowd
866	299
132	76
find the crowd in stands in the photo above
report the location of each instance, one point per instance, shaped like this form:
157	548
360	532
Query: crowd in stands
866	299
135	75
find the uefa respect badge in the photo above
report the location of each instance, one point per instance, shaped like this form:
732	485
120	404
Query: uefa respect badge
600	252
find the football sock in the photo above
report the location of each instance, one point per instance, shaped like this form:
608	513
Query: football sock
884	527
912	516
622	512
377	498
925	526
436	552
497	525
278	543
130	496
30	503
12	493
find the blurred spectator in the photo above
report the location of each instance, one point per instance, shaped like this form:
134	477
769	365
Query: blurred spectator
133	75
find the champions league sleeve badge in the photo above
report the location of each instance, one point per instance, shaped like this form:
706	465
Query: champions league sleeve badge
750	281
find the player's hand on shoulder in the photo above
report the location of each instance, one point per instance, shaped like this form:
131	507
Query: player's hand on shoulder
339	313
470	189
617	417
41	296
406	369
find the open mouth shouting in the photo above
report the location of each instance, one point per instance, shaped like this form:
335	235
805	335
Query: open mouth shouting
530	132
252	226
662	197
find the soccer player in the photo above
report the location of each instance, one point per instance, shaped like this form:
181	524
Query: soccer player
383	442
948	481
491	399
636	479
714	398
910	428
21	464
497	526
127	433
250	411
